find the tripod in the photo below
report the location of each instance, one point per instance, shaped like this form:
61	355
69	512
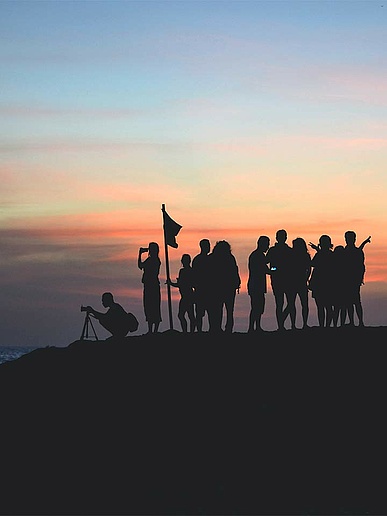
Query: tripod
86	326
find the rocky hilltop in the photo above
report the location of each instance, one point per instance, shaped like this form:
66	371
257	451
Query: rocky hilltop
273	423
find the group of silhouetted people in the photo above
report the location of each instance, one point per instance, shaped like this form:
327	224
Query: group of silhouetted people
334	277
209	282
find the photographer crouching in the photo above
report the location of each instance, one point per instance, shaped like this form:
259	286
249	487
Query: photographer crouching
115	320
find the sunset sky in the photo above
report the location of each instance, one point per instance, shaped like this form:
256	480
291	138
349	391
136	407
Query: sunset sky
242	117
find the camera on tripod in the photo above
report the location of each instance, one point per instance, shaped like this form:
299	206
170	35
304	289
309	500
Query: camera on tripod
88	324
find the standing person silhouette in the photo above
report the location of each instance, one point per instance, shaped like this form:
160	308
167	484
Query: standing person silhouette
321	280
225	281
299	276
339	286
185	284
355	270
201	281
257	282
151	285
280	258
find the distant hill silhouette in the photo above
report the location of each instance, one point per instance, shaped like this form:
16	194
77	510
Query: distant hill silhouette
274	423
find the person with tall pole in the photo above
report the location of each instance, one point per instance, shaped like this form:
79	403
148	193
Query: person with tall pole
171	229
168	274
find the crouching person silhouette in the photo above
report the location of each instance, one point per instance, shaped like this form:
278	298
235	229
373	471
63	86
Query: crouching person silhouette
115	320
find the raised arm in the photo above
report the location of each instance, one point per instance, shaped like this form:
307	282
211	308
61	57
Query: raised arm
140	263
366	241
314	246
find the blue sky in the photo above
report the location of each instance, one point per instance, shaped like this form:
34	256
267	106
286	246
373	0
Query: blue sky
241	116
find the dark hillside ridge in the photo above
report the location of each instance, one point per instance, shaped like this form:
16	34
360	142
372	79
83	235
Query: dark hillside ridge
273	423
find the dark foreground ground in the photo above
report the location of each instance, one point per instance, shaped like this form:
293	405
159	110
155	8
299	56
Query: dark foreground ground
270	424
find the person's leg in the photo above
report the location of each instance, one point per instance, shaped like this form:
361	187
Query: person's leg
215	308
252	315
290	308
181	315
329	315
192	318
342	315
252	322
115	330
199	311
335	315
230	303
152	307
258	324
304	300
351	314
183	322
359	308
320	313
279	304
199	322
218	316
260	310
345	309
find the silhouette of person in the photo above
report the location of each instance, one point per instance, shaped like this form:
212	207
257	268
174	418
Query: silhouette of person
201	282
280	258
257	282
321	280
115	319
339	286
225	281
299	276
151	285
355	270
185	284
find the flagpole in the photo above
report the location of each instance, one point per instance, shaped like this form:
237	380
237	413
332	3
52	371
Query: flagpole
167	271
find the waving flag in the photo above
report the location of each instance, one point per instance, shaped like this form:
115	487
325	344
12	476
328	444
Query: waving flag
171	229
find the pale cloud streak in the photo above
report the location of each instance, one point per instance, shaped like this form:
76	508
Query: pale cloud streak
38	111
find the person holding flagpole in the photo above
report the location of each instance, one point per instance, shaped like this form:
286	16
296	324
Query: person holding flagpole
151	285
185	283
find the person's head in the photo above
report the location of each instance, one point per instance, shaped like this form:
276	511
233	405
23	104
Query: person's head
338	249
325	242
222	247
107	299
153	248
263	243
281	236
350	237
299	245
186	260
205	245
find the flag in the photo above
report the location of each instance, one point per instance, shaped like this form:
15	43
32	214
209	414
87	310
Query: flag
171	229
